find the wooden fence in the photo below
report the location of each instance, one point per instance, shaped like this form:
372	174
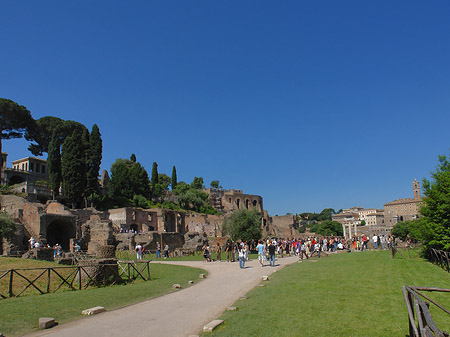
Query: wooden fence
16	282
421	323
440	258
409	251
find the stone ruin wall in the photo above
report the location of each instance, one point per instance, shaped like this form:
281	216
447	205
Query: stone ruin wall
205	223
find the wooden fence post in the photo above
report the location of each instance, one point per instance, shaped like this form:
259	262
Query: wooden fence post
10	291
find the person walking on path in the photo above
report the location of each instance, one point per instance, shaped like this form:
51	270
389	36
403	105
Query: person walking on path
158	250
241	257
166	251
261	252
229	250
138	251
219	252
272	254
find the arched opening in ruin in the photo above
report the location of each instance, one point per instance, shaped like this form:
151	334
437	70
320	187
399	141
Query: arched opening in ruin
246	203
238	202
60	231
16	180
151	228
134	228
254	203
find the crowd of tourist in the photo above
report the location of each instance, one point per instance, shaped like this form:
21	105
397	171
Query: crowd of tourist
303	248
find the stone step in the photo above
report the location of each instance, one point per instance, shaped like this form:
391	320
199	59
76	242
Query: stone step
212	325
93	311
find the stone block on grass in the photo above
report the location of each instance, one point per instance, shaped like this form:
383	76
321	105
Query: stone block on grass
265	278
212	325
231	309
202	276
45	322
190	282
176	286
93	311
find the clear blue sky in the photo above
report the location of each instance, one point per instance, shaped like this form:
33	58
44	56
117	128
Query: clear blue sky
310	104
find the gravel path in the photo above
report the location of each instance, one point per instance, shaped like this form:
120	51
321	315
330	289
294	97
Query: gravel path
181	313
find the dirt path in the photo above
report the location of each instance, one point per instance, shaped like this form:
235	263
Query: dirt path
181	313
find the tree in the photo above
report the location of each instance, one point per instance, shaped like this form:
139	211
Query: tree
128	179
197	183
42	130
94	160
120	184
73	167
15	119
7	226
363	222
214	184
174	178
54	164
133	158
244	225
327	228
417	230
436	208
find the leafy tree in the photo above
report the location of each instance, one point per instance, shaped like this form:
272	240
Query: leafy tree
15	119
54	164
436	208
174	178
243	225
128	179
327	228
214	184
133	158
181	187
197	183
120	184
42	130
7	226
363	222
155	176
417	230
164	181
73	166
94	160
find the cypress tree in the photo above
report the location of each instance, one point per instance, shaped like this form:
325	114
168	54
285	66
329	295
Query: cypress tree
95	160
174	178
154	173
54	164
73	167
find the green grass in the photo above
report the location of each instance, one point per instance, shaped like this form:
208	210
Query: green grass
356	294
20	315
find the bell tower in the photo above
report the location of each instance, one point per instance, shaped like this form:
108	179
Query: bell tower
416	189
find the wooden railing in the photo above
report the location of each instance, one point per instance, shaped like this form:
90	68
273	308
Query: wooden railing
440	258
407	251
16	282
421	323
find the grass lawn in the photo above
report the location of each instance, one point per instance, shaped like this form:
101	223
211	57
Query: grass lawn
356	294
20	315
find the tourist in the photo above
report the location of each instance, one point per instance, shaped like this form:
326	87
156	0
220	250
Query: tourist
158	250
241	257
261	252
206	257
229	250
138	251
32	242
383	242
166	251
271	250
37	244
219	252
375	241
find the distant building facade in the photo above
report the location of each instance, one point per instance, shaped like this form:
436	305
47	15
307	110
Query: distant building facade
404	209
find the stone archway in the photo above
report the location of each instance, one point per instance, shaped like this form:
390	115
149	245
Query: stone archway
60	231
16	180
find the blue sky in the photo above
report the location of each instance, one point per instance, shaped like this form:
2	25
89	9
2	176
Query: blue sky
310	104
